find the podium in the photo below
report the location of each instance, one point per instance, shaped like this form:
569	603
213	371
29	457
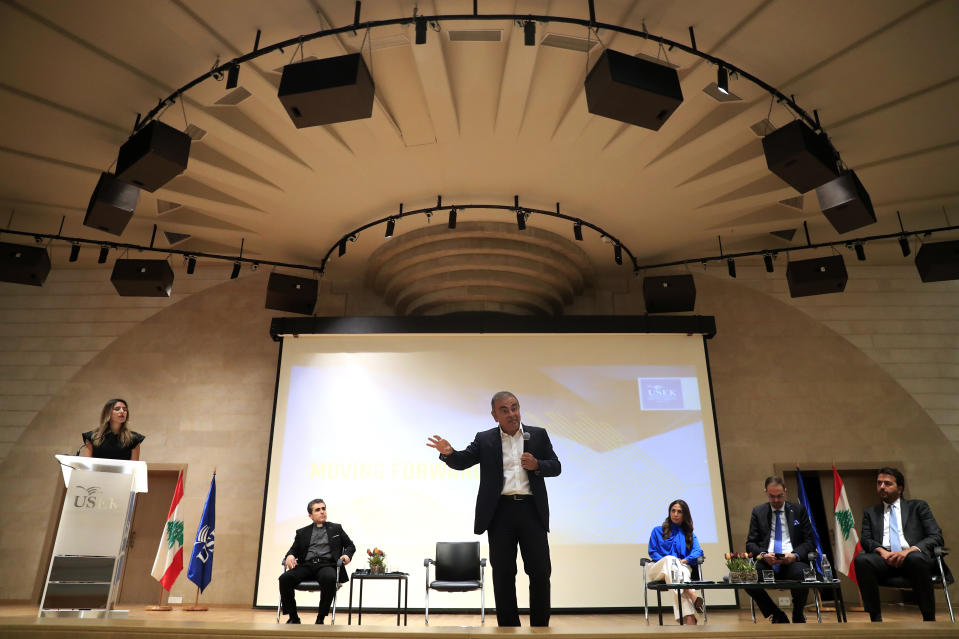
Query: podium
84	575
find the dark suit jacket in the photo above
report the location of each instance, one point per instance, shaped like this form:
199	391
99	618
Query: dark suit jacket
918	525
340	544
486	449
797	523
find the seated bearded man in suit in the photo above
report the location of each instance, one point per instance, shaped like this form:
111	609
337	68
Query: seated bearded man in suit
780	537
898	537
313	555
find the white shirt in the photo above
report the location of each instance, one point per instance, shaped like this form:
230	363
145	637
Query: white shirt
515	477
898	524
787	542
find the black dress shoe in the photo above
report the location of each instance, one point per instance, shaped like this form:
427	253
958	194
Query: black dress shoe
799	618
780	617
319	620
293	620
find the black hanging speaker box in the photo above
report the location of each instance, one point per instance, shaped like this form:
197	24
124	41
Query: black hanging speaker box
142	278
291	294
669	293
803	158
22	264
816	276
632	90
845	203
938	261
327	91
153	156
111	205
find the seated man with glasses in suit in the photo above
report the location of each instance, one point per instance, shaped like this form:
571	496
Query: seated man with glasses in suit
780	537
313	555
898	537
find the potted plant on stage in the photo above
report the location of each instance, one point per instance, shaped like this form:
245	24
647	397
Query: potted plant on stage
377	561
742	568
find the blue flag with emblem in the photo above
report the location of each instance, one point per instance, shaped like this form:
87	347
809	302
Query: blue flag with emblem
201	559
812	522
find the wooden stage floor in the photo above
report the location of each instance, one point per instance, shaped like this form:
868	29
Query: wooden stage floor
20	621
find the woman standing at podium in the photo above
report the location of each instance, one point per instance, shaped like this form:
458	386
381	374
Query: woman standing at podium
112	439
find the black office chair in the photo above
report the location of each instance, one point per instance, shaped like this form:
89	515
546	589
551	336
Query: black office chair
458	569
943	580
695	574
312	585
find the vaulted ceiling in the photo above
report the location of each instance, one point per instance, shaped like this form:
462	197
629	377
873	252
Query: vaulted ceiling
475	122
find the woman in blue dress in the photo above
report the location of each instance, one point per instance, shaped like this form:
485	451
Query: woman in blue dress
673	547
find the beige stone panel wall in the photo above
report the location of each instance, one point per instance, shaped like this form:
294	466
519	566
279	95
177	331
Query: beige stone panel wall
48	333
199	376
909	328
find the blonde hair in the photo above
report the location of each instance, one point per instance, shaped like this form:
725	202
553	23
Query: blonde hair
125	437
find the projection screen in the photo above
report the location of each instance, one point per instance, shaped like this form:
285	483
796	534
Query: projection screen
629	415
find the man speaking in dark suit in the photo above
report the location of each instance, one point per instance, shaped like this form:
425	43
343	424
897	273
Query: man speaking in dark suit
898	536
511	505
313	555
780	537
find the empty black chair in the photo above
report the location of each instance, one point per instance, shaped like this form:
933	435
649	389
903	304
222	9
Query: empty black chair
458	569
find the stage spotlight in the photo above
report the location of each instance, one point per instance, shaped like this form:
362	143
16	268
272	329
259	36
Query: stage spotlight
521	220
104	251
529	33
578	232
860	252
731	267
236	271
190	265
233	76
452	220
420	30
390	227
722	80
341	249
618	254
74	252
768	261
904	246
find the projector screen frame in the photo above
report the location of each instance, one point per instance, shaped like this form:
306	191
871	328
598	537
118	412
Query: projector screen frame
480	323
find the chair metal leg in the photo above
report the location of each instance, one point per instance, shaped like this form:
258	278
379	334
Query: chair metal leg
945	589
336	589
482	595
815	596
279	609
752	609
645	596
702	593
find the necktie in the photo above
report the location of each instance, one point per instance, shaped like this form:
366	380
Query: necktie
778	541
894	543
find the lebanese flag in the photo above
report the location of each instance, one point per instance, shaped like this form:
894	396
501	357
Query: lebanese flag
845	537
169	561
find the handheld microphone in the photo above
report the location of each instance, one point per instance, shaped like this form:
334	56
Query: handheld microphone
525	441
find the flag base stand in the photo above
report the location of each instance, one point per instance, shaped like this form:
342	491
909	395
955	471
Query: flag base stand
195	607
159	606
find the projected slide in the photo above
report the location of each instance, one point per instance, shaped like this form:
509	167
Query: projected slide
624	413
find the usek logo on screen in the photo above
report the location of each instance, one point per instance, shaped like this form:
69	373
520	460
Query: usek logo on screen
661	394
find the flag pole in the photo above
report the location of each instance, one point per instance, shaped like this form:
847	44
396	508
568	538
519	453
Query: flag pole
160	606
195	607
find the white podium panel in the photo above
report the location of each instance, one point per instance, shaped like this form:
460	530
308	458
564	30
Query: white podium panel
90	546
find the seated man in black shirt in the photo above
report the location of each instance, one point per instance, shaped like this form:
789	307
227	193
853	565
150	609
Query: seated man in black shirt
313	555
